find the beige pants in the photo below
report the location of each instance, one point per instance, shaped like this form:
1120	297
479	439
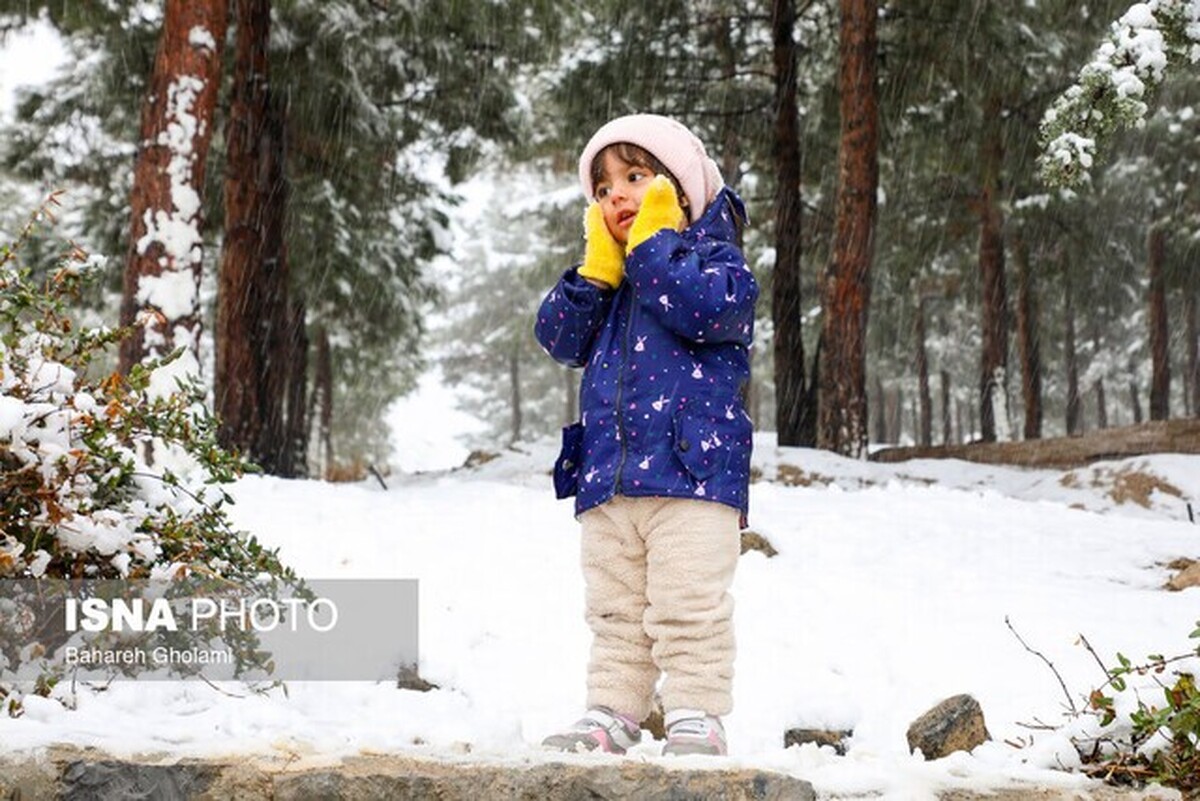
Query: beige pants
658	572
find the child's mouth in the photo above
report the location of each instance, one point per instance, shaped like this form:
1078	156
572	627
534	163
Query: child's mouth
626	217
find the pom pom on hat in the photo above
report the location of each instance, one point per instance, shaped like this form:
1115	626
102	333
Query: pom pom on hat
668	141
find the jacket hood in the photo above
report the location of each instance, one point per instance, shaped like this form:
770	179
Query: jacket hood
719	220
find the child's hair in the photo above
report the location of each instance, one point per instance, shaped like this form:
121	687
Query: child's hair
639	157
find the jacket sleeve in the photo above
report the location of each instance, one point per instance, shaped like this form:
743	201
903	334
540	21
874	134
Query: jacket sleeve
570	317
704	293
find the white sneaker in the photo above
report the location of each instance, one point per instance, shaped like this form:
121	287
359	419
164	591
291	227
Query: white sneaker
601	729
690	731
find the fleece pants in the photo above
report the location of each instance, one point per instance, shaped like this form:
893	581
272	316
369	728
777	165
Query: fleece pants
657	574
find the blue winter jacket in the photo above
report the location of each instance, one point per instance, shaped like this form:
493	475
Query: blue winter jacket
666	357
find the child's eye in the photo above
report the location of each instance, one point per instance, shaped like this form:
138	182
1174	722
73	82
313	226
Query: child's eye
636	176
602	192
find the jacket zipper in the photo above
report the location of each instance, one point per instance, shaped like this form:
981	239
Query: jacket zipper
620	391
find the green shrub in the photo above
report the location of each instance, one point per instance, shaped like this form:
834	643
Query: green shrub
103	476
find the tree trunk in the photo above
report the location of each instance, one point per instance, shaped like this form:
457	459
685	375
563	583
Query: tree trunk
1192	336
879	415
1071	357
1101	405
924	397
947	433
1028	340
731	150
994	362
1160	381
253	315
786	312
846	290
1135	400
161	286
297	401
322	400
1164	436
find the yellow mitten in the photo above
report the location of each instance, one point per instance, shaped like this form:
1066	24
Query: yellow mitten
660	209
603	258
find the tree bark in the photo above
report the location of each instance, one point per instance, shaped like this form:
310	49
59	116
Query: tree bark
1192	337
1028	340
1160	381
947	432
161	283
879	416
993	377
1165	436
254	326
846	290
322	399
1135	400
731	149
924	396
1071	356
297	400
791	408
1101	405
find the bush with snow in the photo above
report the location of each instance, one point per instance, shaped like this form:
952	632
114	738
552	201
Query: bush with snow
103	476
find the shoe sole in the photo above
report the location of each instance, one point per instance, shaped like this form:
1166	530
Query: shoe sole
576	743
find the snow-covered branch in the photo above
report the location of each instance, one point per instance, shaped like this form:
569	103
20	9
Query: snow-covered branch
1114	88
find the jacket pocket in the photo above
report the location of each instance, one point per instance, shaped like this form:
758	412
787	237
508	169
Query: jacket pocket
706	442
566	467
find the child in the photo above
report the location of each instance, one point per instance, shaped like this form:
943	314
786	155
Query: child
660	315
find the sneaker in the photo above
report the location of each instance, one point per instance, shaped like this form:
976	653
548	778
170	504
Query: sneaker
690	731
601	729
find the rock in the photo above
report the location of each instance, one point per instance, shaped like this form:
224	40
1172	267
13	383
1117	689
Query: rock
834	738
655	723
110	779
1188	576
955	724
753	541
545	782
479	458
407	678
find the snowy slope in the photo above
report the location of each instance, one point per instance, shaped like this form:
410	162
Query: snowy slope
889	593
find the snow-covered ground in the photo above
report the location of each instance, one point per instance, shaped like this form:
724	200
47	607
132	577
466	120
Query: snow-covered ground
889	593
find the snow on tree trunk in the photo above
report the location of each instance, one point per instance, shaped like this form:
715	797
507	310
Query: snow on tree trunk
162	268
1160	357
846	291
786	312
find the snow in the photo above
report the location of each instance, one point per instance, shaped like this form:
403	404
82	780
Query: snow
29	56
890	592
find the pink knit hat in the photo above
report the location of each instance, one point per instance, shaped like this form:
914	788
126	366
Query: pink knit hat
671	143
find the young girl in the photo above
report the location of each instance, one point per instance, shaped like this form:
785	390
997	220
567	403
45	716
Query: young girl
660	315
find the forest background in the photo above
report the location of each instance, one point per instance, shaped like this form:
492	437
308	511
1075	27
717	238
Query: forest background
921	282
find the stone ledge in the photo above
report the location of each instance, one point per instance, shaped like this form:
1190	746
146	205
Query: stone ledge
88	775
77	775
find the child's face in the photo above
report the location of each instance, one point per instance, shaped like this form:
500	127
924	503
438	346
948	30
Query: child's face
619	193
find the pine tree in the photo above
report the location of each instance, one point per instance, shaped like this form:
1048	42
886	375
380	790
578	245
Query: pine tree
846	293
